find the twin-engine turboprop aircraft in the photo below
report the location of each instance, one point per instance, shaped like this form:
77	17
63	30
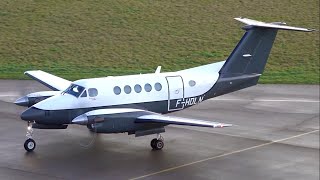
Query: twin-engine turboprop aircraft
136	103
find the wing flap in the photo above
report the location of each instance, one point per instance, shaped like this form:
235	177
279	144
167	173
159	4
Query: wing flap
158	118
51	81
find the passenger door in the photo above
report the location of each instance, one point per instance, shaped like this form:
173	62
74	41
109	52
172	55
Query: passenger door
176	92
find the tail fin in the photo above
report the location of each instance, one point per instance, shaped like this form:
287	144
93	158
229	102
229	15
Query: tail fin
251	54
247	61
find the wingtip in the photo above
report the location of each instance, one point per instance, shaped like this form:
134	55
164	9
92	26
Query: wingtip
311	30
238	18
221	125
227	125
28	72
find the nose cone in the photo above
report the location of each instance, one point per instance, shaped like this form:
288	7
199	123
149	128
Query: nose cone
32	114
23	101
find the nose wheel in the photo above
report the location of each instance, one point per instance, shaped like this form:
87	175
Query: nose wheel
157	143
29	144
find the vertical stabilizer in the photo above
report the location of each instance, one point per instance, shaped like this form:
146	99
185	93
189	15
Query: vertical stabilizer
251	54
248	60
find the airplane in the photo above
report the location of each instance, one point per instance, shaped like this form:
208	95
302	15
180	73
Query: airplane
139	104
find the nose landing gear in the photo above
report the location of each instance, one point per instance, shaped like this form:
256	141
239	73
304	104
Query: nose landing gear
157	143
29	144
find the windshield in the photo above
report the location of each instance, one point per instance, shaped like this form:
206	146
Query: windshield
74	90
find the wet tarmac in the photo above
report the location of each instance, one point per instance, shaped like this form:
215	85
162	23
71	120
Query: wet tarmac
275	136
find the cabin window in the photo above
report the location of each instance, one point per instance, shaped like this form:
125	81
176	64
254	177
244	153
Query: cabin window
127	89
137	88
117	90
192	83
84	94
147	87
157	86
93	92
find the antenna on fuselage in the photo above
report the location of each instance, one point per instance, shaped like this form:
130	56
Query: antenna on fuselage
158	70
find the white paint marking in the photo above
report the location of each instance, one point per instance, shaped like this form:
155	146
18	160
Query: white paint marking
8	95
223	155
268	100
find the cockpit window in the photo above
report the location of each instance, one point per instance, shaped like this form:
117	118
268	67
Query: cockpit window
74	90
84	94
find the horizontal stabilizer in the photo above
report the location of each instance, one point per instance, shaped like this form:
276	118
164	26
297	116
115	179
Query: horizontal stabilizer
275	25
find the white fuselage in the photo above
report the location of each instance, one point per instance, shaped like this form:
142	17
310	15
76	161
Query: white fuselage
180	86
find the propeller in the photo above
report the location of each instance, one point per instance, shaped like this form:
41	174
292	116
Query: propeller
14	91
91	124
86	140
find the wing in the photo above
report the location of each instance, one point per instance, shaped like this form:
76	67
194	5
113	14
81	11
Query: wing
158	118
53	82
142	116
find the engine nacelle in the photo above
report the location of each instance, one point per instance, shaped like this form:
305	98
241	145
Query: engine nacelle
121	125
34	98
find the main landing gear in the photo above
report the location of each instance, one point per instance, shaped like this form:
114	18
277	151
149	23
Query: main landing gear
29	144
157	143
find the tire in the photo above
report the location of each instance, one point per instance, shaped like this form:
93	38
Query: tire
29	145
153	142
159	144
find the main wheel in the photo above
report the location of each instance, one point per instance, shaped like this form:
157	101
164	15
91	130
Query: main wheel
153	143
158	144
29	145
